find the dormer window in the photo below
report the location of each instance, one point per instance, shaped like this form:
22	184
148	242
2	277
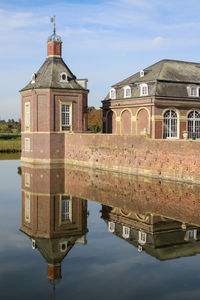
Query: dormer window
142	73
143	89
142	237
33	78
193	91
127	92
112	93
111	227
126	232
190	235
63	77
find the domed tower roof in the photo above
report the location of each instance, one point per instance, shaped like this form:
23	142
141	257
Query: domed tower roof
54	73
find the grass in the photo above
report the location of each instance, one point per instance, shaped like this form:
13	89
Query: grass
10	145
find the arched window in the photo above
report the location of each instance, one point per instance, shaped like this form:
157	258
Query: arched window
112	93
127	91
194	124
143	89
170	125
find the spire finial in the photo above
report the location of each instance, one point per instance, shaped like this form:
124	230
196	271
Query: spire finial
53	20
54	37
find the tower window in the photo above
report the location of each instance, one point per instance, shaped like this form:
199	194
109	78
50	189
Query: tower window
63	77
27	207
27	144
27	179
66	117
27	116
65	208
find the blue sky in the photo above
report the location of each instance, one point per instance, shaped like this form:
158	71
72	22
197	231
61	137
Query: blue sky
104	41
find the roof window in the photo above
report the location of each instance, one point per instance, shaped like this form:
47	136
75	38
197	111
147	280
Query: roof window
63	77
112	93
143	89
33	78
194	91
142	73
127	91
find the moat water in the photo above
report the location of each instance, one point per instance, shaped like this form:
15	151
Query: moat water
76	234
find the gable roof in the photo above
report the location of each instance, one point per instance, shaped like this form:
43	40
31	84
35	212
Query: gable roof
48	76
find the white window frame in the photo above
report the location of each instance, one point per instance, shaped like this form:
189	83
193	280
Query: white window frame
142	73
27	115
194	91
27	179
193	124
191	235
167	131
27	207
70	116
33	78
127	89
67	214
144	91
126	232
61	79
65	244
112	93
142	239
111	227
27	147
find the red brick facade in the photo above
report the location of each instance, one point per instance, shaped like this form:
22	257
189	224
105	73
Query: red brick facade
132	117
54	49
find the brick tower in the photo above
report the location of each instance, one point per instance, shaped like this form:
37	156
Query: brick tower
53	104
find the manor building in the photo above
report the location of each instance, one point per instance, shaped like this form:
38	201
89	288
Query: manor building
54	103
161	101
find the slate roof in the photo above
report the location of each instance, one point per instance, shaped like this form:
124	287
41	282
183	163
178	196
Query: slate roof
48	76
50	248
168	78
161	245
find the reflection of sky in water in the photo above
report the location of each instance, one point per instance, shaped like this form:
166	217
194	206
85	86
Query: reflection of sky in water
106	268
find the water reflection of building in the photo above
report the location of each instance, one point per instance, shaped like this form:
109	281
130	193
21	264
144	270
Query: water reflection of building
151	214
53	219
160	237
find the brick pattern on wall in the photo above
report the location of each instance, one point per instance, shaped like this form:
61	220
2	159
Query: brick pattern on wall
176	160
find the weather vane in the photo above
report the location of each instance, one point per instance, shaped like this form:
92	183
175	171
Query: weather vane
54	24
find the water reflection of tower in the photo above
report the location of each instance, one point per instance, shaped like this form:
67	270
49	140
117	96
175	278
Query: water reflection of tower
161	237
53	219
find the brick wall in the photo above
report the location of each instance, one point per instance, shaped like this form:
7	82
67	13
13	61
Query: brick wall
176	160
